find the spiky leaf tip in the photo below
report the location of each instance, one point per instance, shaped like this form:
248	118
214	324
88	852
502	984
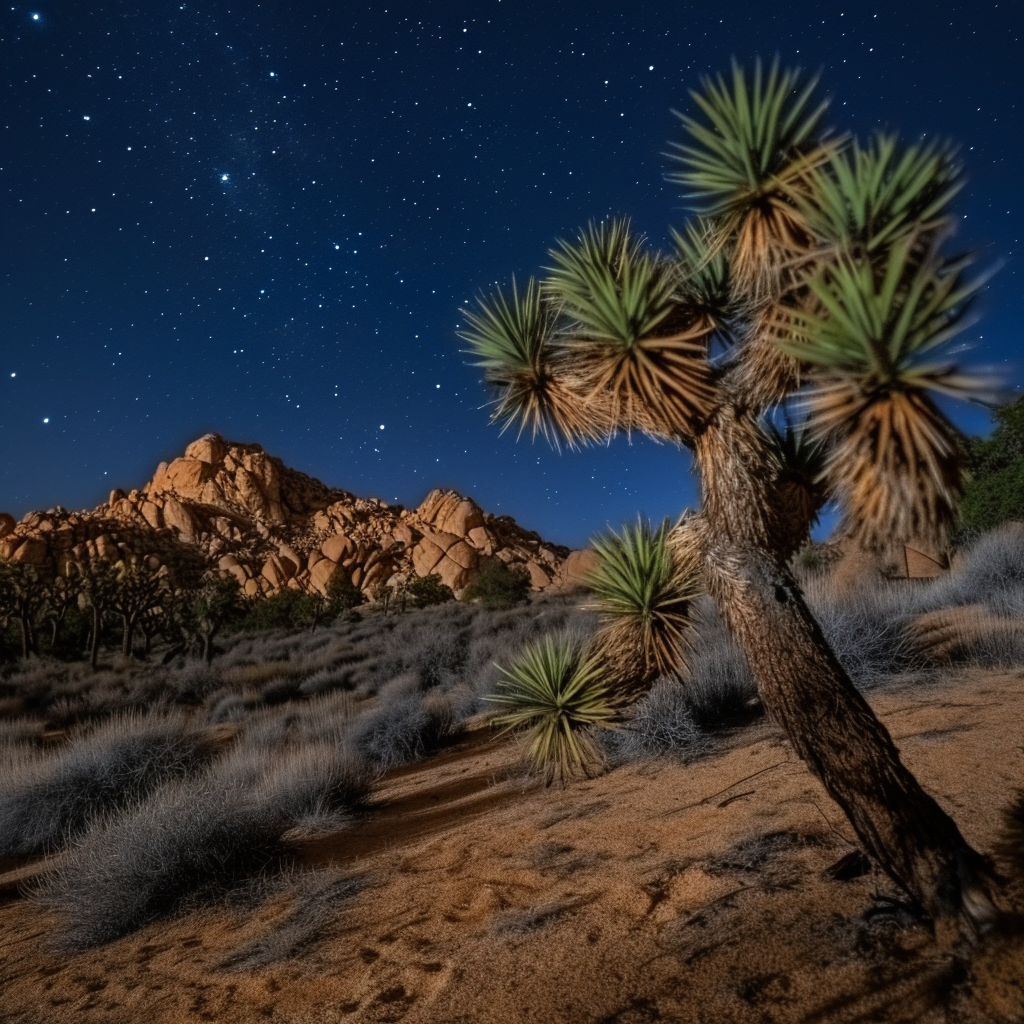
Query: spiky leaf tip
868	198
538	389
555	692
643	587
757	138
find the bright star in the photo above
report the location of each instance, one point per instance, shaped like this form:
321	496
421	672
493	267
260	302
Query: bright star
36	17
382	426
46	419
224	177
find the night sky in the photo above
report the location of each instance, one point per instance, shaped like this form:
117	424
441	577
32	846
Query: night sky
263	218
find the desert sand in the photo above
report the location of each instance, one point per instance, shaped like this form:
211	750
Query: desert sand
657	891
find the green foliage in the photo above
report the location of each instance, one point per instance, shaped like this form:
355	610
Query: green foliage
616	291
428	590
342	593
285	609
868	197
755	125
885	325
995	492
499	585
554	690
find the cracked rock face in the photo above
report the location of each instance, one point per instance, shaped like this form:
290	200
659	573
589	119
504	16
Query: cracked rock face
234	506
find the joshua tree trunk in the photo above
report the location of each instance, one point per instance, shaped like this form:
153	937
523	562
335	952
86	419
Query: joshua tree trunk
128	635
808	693
94	638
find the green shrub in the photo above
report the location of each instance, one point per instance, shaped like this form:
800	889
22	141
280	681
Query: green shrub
427	590
498	585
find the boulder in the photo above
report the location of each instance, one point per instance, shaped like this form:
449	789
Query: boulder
31	551
576	568
178	517
337	547
321	573
7	524
539	579
210	448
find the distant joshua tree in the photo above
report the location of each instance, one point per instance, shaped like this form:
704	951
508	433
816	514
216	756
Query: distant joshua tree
813	276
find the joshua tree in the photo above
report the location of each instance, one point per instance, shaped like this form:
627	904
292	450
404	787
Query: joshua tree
137	590
23	598
813	275
98	582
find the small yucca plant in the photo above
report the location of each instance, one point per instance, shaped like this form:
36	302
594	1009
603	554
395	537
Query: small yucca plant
643	588
555	691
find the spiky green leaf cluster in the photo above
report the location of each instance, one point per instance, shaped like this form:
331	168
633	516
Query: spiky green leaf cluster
615	290
555	691
754	130
705	278
870	197
885	325
510	338
643	588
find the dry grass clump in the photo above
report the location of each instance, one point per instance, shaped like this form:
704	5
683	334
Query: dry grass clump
196	838
47	799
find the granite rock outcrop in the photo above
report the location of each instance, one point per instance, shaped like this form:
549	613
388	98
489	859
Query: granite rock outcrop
236	507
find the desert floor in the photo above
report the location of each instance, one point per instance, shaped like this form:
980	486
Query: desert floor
654	892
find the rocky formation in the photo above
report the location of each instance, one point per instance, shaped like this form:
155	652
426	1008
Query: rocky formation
236	507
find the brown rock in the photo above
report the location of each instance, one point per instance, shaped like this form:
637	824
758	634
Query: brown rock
337	547
452	573
425	556
321	573
107	549
151	513
539	579
210	448
273	572
178	517
576	568
31	551
290	559
7	524
462	554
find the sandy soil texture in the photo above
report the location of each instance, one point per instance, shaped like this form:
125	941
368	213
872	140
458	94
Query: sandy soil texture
658	892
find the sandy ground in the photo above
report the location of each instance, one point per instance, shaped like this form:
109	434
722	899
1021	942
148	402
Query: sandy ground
654	893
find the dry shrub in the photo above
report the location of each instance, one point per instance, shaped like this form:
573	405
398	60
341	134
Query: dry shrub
47	799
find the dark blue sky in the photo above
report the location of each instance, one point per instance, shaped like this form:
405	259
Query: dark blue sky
262	218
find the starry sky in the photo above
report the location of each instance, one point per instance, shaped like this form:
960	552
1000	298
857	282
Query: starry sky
263	218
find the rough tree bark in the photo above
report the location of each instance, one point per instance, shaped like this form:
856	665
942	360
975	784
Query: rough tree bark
805	689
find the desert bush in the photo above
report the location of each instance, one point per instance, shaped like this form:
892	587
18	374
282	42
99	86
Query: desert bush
990	572
661	724
427	590
47	800
195	839
719	687
403	728
497	584
317	896
866	627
